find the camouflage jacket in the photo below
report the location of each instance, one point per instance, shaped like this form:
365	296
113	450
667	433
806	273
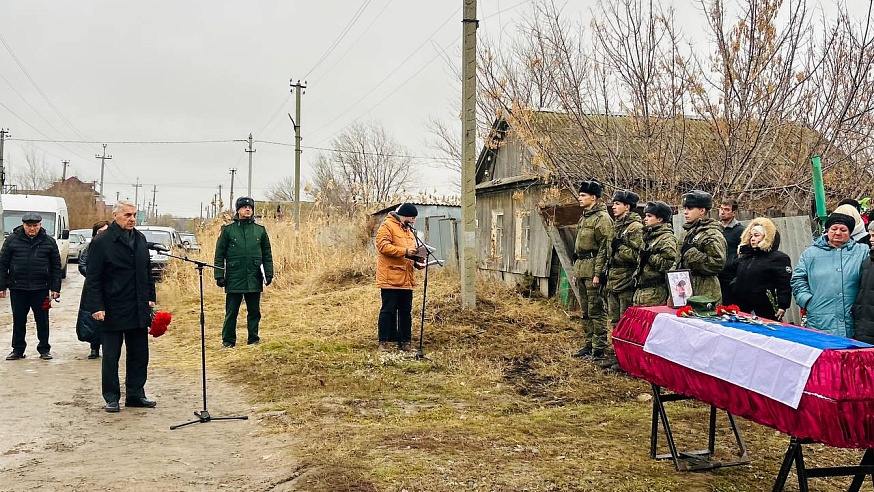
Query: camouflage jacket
660	251
594	233
703	252
625	252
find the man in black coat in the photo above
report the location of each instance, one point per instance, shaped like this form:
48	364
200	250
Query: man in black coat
120	293
732	230
30	267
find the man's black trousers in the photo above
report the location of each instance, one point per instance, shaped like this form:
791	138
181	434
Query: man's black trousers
137	366
24	301
395	316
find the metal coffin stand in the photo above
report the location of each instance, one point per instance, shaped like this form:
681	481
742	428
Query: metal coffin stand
795	455
690	460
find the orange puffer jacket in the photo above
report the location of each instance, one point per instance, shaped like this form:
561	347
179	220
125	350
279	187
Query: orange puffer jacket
393	270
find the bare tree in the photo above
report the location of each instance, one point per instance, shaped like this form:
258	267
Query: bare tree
282	190
366	167
35	174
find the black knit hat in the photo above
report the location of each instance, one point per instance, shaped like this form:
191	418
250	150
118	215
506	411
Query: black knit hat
849	201
407	210
591	187
243	201
660	209
698	199
836	218
629	198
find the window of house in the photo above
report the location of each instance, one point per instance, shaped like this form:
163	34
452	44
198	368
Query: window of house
497	234
523	235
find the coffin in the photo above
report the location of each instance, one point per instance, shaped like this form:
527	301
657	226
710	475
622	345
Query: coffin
836	404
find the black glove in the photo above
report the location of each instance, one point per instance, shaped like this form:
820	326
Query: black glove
574	257
614	244
267	280
221	282
686	247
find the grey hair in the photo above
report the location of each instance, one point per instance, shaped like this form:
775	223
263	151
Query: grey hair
122	203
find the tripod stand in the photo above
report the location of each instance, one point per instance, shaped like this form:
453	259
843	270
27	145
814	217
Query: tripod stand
203	415
429	253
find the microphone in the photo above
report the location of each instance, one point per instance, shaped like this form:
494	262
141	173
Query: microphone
409	225
160	248
404	223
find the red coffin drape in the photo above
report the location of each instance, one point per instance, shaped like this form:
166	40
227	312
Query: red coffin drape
837	407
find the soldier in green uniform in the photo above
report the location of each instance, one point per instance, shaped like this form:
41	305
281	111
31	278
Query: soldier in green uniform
660	251
624	254
703	245
243	252
594	233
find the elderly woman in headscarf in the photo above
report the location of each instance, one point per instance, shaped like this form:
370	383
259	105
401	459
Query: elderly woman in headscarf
858	233
826	280
761	285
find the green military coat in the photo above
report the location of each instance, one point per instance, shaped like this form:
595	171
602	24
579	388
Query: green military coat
241	249
703	252
660	252
594	233
625	252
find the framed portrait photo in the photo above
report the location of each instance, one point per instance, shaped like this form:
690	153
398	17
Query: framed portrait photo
680	287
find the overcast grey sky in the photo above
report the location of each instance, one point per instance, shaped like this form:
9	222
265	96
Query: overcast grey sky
193	71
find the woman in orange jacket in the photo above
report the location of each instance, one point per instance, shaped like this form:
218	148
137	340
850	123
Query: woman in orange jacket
395	278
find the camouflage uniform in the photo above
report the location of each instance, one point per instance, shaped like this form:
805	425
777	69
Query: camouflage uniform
594	233
625	247
660	251
703	253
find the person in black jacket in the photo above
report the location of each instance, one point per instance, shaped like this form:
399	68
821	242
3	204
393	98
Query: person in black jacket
863	306
120	292
763	273
731	230
87	333
30	267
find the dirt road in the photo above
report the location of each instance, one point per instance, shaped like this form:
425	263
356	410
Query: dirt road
55	435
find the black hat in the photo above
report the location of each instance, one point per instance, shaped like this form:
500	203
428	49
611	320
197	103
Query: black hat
836	218
629	198
407	210
849	201
698	199
31	218
591	187
660	209
243	201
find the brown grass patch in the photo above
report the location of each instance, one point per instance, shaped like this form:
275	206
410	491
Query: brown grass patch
498	403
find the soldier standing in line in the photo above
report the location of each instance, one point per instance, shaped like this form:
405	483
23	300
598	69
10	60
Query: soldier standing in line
594	233
732	230
703	246
624	255
660	251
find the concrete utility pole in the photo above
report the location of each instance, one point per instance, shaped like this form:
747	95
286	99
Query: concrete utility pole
4	132
103	159
64	172
468	158
117	193
298	87
220	202
250	150
231	199
154	203
136	192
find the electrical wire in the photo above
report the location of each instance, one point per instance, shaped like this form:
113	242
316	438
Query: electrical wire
339	37
342	151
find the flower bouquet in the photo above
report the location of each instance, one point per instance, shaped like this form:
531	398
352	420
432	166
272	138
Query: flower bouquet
160	321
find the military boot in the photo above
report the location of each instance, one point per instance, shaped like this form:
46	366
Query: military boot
585	352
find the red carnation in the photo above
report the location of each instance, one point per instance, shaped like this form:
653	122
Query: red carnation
47	304
160	321
730	309
685	312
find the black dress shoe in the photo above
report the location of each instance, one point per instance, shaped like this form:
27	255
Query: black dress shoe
15	356
95	354
140	402
46	356
112	407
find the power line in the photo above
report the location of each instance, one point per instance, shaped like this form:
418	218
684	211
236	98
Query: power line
339	37
123	142
342	151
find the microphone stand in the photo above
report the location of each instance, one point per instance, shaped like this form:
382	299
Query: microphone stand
203	415
428	254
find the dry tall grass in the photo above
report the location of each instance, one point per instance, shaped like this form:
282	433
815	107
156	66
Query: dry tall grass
498	404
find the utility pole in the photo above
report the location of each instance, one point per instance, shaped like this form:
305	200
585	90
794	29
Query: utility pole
298	87
468	159
117	193
64	172
251	151
220	202
231	199
136	192
4	132
103	159
154	203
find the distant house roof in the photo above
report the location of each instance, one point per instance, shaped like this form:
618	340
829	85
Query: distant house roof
435	203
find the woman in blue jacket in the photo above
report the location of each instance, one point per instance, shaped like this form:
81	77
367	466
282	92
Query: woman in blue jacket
826	280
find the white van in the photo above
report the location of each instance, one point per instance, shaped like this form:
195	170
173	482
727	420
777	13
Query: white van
55	218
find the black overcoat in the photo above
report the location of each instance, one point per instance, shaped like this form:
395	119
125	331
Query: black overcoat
119	280
30	263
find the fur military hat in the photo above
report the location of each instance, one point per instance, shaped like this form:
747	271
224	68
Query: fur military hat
591	187
660	209
698	199
243	201
629	198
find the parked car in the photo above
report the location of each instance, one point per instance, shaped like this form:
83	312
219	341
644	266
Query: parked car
189	240
167	236
76	246
86	233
